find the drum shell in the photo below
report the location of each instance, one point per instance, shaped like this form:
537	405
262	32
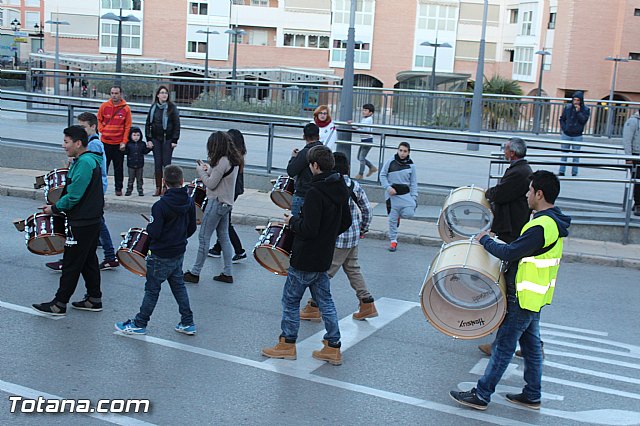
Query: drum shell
198	192
282	192
45	234
273	249
54	184
469	197
133	251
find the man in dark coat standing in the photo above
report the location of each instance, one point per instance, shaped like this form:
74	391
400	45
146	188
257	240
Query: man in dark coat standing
509	199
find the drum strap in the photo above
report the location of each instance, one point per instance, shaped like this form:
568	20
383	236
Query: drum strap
351	193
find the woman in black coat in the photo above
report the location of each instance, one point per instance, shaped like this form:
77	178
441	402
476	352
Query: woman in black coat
162	131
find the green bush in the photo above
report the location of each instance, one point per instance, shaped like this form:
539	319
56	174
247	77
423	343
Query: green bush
143	87
213	100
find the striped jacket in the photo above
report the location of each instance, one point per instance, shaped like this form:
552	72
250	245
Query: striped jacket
114	122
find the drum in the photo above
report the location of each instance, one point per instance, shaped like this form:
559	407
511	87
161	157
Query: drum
133	251
198	192
282	192
465	213
463	295
273	249
45	234
54	184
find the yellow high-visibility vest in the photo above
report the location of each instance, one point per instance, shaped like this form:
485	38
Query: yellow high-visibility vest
536	277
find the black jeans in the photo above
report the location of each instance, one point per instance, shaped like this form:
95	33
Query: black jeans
80	258
135	174
114	154
235	240
162	153
636	187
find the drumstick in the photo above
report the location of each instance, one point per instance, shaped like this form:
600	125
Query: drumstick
145	217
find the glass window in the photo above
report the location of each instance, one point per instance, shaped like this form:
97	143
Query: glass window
523	61
424	61
513	16
197	47
130	35
552	21
527	18
304	40
196	8
364	12
288	39
263	3
434	16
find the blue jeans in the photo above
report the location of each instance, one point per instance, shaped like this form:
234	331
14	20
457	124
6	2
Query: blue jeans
567	147
518	325
294	288
216	218
362	155
296	205
105	241
159	270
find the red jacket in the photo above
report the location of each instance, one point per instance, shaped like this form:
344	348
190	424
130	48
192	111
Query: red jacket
114	122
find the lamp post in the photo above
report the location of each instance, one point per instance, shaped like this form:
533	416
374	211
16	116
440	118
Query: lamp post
538	104
475	121
15	26
120	19
206	57
39	33
611	114
346	94
235	32
432	82
56	77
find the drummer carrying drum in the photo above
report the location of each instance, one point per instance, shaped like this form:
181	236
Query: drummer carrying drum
83	202
530	286
298	166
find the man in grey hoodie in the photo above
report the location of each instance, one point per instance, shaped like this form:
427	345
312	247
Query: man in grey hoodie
631	142
574	116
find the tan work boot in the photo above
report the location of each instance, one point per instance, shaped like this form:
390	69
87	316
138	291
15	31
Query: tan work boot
486	349
328	354
358	176
310	312
282	350
367	310
372	170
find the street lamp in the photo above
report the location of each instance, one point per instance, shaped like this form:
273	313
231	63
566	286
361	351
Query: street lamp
206	57
615	60
56	77
538	104
120	19
235	32
475	121
15	26
432	82
346	94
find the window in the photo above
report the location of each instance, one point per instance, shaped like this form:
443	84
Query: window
361	54
198	8
32	3
263	3
130	35
552	21
424	61
197	47
258	37
124	4
1	18
436	17
364	12
32	18
633	56
527	18
523	61
636	12
306	40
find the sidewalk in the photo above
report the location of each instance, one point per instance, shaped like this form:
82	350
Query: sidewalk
255	208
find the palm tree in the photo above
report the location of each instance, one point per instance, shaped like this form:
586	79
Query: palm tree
502	109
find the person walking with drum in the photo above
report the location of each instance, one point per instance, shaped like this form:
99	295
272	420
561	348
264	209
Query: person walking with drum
509	198
530	286
298	167
83	202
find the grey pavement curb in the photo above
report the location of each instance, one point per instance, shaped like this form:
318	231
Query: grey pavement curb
132	206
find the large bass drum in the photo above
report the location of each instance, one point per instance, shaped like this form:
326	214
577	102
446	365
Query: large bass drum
463	294
465	213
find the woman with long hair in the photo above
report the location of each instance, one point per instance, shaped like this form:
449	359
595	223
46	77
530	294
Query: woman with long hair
238	141
162	131
219	176
328	132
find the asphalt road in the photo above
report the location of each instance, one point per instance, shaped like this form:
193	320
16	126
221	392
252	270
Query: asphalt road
397	368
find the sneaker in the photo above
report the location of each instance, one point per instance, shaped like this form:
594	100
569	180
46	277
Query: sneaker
186	329
140	193
214	253
87	305
109	264
56	266
469	398
224	278
561	174
239	257
50	308
636	211
393	246
129	327
520	399
188	277
128	193
372	170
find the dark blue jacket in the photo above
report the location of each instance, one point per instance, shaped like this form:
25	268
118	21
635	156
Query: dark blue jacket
135	153
571	121
173	220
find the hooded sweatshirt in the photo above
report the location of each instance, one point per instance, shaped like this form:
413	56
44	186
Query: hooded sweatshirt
571	121
172	221
298	168
325	215
631	135
401	175
114	122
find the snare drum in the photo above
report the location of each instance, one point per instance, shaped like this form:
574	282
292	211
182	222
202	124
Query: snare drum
45	234
463	295
282	192
198	192
273	249
133	251
465	213
54	184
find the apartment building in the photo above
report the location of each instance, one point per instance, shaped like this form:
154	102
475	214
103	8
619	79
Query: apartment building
21	28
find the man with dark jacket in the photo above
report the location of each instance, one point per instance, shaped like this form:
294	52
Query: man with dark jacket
572	121
325	215
298	167
83	202
631	143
